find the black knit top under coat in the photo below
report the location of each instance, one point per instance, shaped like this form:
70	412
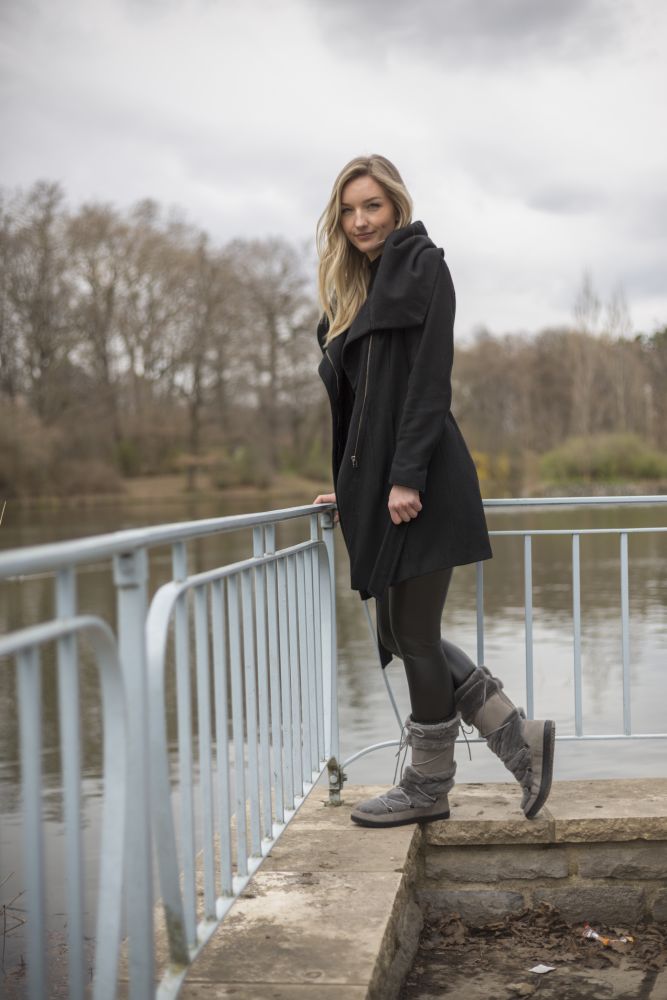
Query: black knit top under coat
389	383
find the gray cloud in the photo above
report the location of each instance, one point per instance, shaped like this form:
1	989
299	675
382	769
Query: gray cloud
472	32
566	199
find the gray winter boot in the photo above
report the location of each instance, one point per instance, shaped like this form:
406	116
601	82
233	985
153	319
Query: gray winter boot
525	746
421	794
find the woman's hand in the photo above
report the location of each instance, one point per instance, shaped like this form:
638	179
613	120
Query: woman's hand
327	498
404	503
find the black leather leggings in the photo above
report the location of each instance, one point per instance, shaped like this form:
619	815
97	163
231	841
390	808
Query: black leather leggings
408	622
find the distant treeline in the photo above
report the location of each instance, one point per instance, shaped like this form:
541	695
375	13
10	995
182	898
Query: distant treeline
131	345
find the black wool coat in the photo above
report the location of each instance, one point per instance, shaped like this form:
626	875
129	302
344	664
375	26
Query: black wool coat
388	378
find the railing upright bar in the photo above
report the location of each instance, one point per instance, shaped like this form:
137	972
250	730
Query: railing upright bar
205	754
479	585
236	665
184	723
576	628
317	622
70	753
331	734
311	662
285	682
262	682
295	687
625	635
274	674
29	683
130	578
220	694
306	742
251	710
114	816
528	591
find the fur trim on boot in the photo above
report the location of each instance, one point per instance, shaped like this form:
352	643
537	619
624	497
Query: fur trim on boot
525	746
421	794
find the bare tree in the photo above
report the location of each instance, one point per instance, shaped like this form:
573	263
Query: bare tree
279	319
97	238
39	293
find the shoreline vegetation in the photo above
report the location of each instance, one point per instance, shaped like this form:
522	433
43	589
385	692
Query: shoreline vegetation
174	489
139	359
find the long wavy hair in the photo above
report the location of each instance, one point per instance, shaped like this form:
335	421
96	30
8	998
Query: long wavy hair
344	271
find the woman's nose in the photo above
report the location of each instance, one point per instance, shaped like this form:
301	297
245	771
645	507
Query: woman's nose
360	218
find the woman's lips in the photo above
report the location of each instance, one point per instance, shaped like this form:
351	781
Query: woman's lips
364	236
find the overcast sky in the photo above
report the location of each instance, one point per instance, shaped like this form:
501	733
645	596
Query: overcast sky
531	133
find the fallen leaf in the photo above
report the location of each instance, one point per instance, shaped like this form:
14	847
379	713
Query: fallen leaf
522	989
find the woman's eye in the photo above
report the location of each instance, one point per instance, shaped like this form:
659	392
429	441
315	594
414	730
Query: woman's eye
345	211
374	205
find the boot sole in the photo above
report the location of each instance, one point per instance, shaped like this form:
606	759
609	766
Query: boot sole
548	747
367	820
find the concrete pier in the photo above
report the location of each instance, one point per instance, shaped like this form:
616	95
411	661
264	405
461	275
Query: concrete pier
335	912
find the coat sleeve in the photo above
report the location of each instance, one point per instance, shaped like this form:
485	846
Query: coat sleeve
429	392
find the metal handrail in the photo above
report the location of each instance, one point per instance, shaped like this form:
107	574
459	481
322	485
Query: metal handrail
296	562
527	534
53	556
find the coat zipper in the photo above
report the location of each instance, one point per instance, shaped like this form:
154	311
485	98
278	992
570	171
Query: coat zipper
354	458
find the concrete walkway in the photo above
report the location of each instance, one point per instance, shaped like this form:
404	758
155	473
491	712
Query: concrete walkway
327	917
332	913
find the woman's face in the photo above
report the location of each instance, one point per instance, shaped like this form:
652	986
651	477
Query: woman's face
367	215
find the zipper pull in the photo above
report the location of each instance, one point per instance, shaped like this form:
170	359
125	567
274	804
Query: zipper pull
354	461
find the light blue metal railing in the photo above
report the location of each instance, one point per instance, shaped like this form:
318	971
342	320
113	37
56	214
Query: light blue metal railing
268	624
575	534
267	621
527	535
257	640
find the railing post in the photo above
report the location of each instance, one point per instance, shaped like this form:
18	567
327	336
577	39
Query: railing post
330	665
625	634
70	752
479	587
131	578
576	621
29	685
528	601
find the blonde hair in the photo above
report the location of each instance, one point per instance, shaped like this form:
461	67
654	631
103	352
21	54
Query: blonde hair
344	271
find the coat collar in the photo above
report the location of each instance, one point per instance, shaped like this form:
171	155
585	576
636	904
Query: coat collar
403	284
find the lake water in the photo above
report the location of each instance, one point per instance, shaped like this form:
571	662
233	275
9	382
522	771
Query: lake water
365	713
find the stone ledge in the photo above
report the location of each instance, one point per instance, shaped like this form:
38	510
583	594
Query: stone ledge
577	811
496	863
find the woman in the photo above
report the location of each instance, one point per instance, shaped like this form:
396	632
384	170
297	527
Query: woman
406	487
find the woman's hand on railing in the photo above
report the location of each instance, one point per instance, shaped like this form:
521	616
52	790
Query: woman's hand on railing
328	498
